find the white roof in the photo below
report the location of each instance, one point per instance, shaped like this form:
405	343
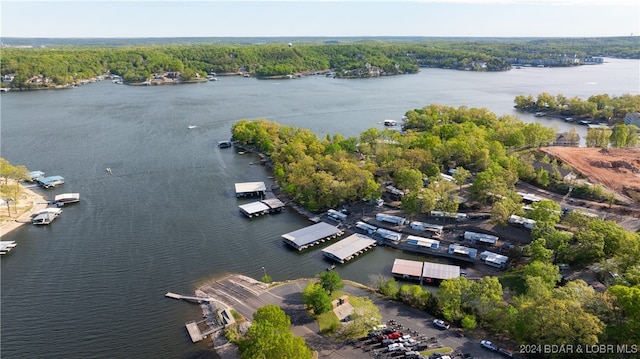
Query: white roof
311	234
349	246
52	210
66	196
7	245
254	207
247	187
440	271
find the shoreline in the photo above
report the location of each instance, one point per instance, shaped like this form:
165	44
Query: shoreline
33	200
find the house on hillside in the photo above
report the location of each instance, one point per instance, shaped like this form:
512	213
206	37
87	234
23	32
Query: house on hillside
565	174
567	139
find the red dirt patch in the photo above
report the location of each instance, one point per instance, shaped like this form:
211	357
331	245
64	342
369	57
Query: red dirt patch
615	168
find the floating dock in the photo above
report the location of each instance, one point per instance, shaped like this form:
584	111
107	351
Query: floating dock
349	248
311	235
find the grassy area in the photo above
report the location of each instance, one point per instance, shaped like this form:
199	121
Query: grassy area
445	350
329	322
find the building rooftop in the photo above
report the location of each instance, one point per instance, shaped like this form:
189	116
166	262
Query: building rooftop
440	271
349	247
407	268
310	235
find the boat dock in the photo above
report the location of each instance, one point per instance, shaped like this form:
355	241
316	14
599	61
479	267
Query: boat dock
195	333
349	248
311	235
188	298
260	208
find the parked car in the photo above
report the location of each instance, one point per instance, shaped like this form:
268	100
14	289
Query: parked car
440	324
388	342
394	335
488	345
395	347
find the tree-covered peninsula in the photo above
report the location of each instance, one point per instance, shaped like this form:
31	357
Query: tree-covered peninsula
64	64
530	303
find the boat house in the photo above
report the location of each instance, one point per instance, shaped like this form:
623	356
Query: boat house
407	269
51	181
245	189
349	248
66	198
34	176
259	208
436	272
311	235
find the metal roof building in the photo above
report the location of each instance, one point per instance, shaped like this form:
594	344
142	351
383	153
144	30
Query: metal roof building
439	271
349	247
250	189
274	204
254	209
407	269
311	235
259	208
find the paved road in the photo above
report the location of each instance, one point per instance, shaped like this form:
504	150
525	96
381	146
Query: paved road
246	295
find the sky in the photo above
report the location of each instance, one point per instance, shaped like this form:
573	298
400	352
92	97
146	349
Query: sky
330	18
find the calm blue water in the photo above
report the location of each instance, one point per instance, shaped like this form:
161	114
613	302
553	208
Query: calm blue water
92	284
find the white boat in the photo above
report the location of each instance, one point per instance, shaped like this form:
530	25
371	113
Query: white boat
390	122
191	126
7	246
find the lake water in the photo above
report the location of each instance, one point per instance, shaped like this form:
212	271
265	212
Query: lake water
92	284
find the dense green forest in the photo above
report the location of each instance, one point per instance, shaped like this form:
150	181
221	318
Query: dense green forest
596	108
65	64
529	304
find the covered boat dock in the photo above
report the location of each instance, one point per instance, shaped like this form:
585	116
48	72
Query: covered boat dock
349	248
438	272
407	269
244	189
259	208
311	235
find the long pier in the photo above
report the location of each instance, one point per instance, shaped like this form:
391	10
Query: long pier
188	298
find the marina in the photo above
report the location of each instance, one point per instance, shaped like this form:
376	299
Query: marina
349	248
311	235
